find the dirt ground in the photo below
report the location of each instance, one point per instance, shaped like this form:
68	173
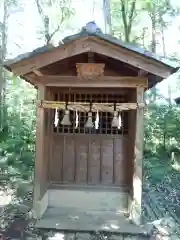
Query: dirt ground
17	223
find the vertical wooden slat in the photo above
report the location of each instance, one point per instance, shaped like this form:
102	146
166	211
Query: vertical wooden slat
75	160
88	159
94	161
77	98
63	158
107	160
100	170
68	161
138	155
82	148
114	158
119	161
56	163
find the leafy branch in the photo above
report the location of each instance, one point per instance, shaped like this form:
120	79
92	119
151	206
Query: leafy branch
65	14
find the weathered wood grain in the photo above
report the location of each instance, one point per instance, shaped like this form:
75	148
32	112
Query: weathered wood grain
136	206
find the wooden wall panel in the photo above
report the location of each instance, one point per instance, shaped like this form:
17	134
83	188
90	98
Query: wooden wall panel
68	159
94	160
56	163
81	159
107	161
120	161
46	155
89	159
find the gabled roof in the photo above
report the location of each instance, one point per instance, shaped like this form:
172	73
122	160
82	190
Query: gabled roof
91	31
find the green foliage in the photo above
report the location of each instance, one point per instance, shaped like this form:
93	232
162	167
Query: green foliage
162	127
162	141
17	149
17	138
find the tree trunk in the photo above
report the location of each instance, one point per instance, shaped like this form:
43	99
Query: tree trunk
163	39
2	58
153	34
127	17
164	55
152	15
107	16
48	34
143	36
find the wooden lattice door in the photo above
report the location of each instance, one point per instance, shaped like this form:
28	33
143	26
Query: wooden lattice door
90	156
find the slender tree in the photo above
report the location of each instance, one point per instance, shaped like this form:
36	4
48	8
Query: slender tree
125	12
44	7
107	16
8	7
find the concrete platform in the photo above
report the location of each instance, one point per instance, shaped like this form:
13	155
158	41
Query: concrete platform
89	198
73	219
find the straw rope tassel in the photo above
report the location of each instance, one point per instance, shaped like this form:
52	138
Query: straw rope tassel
115	122
97	120
66	121
77	120
56	118
119	121
89	123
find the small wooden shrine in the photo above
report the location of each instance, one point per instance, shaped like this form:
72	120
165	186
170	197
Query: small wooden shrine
89	143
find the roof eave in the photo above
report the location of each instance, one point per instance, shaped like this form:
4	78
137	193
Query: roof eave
22	77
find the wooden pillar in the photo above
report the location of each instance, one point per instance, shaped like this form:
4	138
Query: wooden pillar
49	132
40	181
136	204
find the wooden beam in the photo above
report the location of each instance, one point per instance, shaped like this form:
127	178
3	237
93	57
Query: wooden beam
130	57
30	79
142	73
91	44
38	73
105	81
136	206
61	52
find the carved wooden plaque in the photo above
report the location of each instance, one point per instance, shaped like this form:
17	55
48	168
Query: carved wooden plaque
90	70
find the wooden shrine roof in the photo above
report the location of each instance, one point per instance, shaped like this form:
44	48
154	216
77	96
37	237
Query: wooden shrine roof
91	39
